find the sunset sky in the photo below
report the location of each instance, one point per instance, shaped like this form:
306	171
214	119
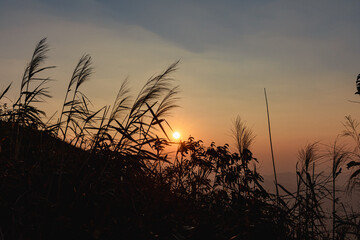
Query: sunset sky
305	53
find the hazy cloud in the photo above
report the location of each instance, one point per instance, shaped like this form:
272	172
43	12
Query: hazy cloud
305	52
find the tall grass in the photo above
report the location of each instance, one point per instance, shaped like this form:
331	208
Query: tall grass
338	157
33	89
105	173
351	131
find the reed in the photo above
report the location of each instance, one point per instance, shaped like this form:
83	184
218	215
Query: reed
351	131
271	145
338	156
105	173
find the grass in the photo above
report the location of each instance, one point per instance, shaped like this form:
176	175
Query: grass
105	173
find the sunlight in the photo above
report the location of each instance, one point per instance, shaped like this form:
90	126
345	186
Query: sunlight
176	135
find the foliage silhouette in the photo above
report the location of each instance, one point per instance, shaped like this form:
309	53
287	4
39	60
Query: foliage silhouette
107	174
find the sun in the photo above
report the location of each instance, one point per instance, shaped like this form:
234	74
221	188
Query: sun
176	135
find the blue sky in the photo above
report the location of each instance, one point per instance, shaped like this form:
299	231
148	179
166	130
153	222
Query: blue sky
306	53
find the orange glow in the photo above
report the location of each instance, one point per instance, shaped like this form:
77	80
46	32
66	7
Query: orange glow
176	135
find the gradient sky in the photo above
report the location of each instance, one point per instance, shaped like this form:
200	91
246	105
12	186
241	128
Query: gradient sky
305	53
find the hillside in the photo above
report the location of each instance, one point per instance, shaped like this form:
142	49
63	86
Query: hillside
105	174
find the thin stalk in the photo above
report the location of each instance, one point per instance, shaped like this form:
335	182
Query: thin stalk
63	108
314	196
271	145
333	205
69	116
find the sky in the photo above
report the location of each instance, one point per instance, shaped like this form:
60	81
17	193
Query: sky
305	53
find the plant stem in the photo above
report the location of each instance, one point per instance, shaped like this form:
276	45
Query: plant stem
271	145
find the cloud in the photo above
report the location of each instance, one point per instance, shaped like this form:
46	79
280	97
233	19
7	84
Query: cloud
304	53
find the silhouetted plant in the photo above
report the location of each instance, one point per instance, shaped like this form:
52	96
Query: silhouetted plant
351	130
33	89
106	173
338	157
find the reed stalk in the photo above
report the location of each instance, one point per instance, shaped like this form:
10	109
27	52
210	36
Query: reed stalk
271	145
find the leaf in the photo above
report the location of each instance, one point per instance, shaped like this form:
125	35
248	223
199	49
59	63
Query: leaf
5	91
